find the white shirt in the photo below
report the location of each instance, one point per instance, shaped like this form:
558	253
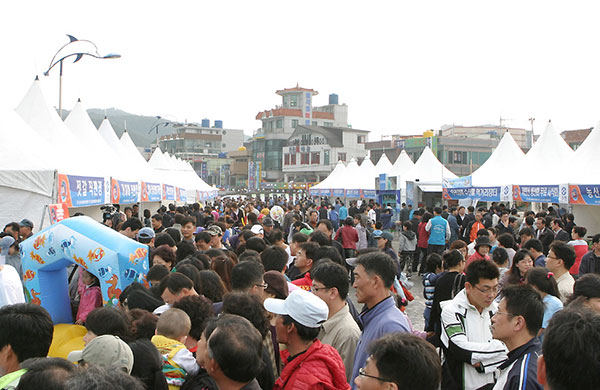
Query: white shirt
11	289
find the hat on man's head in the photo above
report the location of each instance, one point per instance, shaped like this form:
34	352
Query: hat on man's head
387	235
267	221
26	223
304	307
276	284
146	233
5	243
214	230
483	240
257	229
106	350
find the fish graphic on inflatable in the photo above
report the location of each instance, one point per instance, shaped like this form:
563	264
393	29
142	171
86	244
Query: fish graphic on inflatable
29	275
39	241
96	254
136	256
36	257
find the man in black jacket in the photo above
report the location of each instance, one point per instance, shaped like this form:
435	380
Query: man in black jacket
559	233
544	234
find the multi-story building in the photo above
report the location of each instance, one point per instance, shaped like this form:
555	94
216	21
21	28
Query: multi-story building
462	149
279	123
239	168
312	152
205	147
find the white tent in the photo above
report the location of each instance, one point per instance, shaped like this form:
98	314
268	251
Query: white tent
27	171
384	165
363	178
584	168
70	155
429	170
545	159
505	163
107	162
402	165
333	180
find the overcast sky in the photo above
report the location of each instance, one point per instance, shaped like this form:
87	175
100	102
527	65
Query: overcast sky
402	67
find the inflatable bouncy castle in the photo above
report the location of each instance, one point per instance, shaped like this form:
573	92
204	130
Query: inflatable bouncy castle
113	258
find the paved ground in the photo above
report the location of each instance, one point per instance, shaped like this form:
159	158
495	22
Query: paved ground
414	309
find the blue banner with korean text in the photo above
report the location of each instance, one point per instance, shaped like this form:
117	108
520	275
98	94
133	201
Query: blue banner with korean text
484	194
584	194
124	192
543	194
81	191
151	192
168	192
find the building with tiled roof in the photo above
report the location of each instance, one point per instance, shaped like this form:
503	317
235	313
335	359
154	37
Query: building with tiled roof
278	124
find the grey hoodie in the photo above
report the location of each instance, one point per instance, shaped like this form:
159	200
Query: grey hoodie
407	241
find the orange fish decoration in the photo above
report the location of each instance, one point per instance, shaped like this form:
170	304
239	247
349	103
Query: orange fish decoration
35	297
96	254
139	253
80	261
36	257
29	275
39	242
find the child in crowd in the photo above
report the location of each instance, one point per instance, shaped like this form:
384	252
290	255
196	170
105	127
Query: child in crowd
500	257
544	283
172	329
407	245
433	270
90	296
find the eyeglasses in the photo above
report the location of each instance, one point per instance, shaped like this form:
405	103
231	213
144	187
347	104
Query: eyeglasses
317	289
361	372
552	257
503	313
263	286
487	291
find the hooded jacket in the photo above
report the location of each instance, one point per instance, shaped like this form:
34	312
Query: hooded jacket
319	368
407	241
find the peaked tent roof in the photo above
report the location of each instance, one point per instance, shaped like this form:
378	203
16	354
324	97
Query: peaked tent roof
363	178
83	129
30	169
44	120
402	165
502	166
584	167
384	165
428	169
547	155
330	181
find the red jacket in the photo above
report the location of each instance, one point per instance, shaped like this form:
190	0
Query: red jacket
319	368
349	237
423	235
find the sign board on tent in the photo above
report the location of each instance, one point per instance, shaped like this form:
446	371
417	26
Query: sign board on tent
124	192
484	194
459	182
181	195
151	192
584	194
58	212
80	191
168	192
543	194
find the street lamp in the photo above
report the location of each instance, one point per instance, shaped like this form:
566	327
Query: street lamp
157	124
79	55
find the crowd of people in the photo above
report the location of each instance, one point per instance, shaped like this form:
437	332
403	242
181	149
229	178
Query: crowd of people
242	297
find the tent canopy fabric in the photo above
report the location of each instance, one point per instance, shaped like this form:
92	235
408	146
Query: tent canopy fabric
402	165
547	154
502	166
384	165
428	169
332	181
585	165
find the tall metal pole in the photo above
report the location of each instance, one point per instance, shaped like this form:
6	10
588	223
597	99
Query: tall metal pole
60	90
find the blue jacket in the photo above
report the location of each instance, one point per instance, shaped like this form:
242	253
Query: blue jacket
453	228
343	213
439	231
520	370
381	319
386	220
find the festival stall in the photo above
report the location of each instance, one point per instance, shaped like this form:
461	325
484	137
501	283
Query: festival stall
493	180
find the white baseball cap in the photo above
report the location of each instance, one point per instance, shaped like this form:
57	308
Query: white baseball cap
257	229
303	306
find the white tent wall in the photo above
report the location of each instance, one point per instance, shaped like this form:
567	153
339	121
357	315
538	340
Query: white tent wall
18	204
588	216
